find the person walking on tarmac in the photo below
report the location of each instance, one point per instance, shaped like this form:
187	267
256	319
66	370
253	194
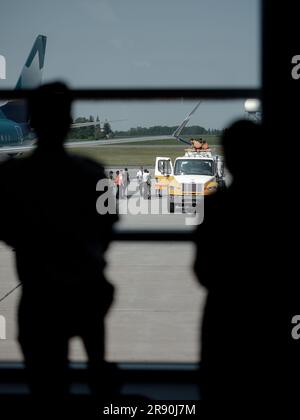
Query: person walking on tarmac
146	184
126	174
122	186
111	183
139	177
111	175
125	182
118	182
149	185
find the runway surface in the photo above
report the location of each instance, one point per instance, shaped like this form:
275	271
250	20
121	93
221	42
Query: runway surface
29	145
158	304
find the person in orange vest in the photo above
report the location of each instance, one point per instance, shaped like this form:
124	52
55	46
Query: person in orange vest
118	182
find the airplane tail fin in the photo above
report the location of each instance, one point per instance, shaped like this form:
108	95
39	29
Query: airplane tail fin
179	129
30	78
31	75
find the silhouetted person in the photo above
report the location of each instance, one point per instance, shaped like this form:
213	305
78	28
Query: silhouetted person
228	264
49	205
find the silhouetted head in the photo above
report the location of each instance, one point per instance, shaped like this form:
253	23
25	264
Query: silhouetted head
241	142
50	111
117	172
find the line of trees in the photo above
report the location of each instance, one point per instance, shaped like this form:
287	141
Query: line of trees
92	132
99	131
159	130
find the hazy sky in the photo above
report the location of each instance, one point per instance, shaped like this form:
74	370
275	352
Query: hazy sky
104	43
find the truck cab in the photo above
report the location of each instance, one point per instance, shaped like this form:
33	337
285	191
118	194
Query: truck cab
192	176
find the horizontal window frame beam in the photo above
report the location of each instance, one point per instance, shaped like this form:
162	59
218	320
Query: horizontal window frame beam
150	372
140	93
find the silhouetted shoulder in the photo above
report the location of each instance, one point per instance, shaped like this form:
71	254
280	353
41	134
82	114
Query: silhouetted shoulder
89	166
213	206
210	235
38	167
9	175
214	201
52	190
10	165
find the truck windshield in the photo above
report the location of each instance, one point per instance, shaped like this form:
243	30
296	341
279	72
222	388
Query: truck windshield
194	167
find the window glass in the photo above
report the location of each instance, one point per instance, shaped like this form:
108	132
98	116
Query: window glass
158	302
134	42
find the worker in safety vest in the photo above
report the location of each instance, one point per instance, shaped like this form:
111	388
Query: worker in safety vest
118	182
